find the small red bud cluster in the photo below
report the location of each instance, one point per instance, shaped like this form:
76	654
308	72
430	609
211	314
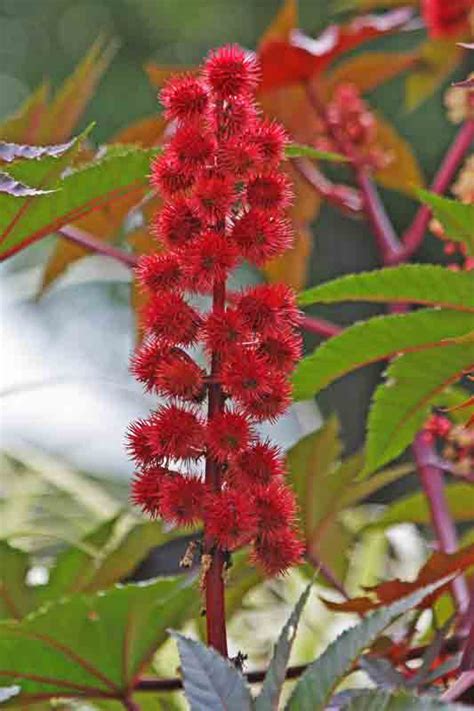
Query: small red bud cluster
349	113
224	201
457	443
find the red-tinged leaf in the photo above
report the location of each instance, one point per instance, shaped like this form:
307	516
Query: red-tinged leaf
146	133
15	151
466	84
403	172
158	74
437	60
23	125
13	187
301	57
438	566
369	70
283	23
73	96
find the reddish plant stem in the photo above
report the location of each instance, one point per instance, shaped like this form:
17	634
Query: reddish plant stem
431	477
213	579
130	704
462	684
320	326
349	201
88	241
413	236
467	661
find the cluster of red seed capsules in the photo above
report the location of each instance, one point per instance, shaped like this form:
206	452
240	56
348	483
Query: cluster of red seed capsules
356	124
225	199
457	443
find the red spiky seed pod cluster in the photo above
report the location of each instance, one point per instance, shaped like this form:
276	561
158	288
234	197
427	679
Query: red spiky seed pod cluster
445	18
225	201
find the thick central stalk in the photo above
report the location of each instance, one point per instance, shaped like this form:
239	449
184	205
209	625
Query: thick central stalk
214	581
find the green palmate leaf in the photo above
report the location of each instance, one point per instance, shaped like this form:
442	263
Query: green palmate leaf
14	151
90	646
16	598
376	700
318	683
402	403
378	338
15	188
276	673
360	490
414	283
456	217
415	509
210	681
23	221
297	150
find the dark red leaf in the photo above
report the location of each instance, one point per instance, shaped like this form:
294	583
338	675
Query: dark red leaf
302	56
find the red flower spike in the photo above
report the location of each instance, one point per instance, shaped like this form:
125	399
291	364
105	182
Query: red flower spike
192	147
182	500
261	236
184	98
243	375
238	156
230	71
275	507
146	489
208	259
169	317
214	195
179	376
177	223
225	331
259	464
270	138
230	518
269	191
233	118
167	177
146	360
283	351
269	308
278	552
175	433
159	272
228	434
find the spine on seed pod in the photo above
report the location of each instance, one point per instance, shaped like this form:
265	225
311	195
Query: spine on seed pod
224	201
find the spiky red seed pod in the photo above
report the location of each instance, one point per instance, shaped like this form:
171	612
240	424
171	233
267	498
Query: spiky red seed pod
277	553
269	308
159	272
231	71
182	500
209	258
238	156
214	194
259	464
181	377
146	489
192	146
230	518
270	138
282	351
274	505
169	317
271	400
167	178
176	433
184	98
261	235
234	117
228	433
243	375
177	223
224	331
269	191
147	358
138	442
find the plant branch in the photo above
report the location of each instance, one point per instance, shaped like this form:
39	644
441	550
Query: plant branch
463	683
318	564
414	235
467	661
88	241
320	326
431	477
348	200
